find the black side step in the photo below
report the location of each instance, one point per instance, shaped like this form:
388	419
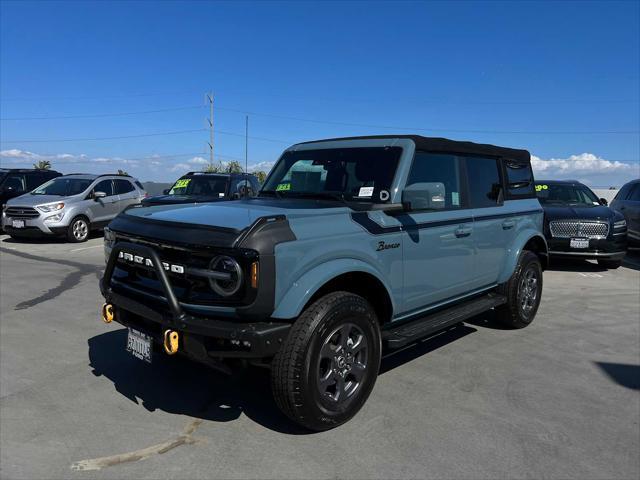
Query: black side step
396	337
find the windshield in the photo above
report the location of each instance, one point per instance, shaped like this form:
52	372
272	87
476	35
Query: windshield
196	185
566	194
362	174
63	186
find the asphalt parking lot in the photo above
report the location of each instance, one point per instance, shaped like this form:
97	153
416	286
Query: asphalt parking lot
559	399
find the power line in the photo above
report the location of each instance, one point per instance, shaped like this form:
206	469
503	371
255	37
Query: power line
443	130
102	115
95	97
157	134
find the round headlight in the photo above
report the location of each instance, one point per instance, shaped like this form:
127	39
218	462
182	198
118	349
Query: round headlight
228	265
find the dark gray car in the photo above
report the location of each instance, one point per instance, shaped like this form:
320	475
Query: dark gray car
627	202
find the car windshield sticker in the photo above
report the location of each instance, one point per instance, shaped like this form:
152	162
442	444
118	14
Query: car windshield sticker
283	187
539	188
365	192
455	198
384	195
182	183
220	195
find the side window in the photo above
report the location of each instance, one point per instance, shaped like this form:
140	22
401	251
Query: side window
36	179
484	182
104	186
434	182
14	182
635	193
255	185
519	179
123	186
243	187
137	182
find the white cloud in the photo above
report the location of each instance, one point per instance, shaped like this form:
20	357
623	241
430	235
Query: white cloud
585	163
261	166
180	166
198	161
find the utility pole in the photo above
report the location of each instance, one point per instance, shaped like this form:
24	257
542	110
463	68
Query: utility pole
210	120
246	144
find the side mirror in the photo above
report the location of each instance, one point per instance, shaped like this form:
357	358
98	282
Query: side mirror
603	201
98	195
166	191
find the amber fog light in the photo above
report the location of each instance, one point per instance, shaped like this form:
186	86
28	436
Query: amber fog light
232	271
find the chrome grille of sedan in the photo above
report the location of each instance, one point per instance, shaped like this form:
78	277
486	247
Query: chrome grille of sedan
578	228
22	212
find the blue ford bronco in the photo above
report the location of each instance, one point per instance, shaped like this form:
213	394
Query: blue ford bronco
354	246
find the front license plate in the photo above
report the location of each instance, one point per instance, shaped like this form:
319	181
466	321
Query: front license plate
17	223
139	345
579	243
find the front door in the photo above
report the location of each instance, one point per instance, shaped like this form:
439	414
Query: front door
104	209
437	234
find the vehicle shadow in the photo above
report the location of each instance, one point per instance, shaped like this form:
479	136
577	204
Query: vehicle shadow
625	375
46	240
577	265
179	386
632	260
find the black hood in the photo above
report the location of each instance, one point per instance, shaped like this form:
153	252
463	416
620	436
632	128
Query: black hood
179	199
595	212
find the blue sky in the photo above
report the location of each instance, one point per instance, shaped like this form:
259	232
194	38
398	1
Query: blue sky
560	79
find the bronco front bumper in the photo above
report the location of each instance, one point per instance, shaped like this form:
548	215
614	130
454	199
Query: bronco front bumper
202	338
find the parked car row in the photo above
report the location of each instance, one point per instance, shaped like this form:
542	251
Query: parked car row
73	205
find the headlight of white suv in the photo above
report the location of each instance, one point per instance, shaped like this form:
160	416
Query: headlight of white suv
50	207
620	224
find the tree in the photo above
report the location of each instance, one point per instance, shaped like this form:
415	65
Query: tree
211	168
122	172
234	167
262	176
42	165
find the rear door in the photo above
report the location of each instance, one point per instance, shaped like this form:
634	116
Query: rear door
127	194
630	208
492	231
437	239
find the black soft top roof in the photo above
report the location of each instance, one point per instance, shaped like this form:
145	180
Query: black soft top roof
437	144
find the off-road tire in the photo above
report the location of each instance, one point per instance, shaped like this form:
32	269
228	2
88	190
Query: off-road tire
296	379
72	234
513	314
609	264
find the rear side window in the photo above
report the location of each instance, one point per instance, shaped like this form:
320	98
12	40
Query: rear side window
519	179
436	178
36	179
14	182
484	182
104	186
139	185
635	193
123	186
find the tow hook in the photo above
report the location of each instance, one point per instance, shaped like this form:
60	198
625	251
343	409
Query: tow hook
171	338
107	313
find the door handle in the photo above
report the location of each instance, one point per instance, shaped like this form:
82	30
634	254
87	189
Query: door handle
507	224
463	232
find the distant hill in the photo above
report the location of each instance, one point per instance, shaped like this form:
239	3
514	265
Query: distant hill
156	188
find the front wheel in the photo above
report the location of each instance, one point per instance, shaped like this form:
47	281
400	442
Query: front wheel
523	291
327	367
78	230
609	264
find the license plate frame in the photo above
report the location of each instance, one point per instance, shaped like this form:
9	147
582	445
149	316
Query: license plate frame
140	345
17	223
579	243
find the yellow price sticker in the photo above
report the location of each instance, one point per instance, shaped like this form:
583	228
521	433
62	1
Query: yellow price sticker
182	183
283	187
539	188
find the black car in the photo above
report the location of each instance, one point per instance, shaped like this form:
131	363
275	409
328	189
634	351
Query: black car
196	187
627	202
579	225
17	181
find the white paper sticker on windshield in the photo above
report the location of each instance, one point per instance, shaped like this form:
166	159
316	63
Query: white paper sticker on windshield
455	198
365	192
220	195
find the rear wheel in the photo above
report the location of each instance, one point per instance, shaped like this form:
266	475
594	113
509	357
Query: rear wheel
78	230
327	367
610	264
523	291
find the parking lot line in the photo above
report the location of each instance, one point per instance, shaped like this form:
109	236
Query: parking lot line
85	248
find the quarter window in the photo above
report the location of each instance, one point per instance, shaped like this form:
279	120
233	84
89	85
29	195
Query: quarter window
635	193
519	179
436	178
484	181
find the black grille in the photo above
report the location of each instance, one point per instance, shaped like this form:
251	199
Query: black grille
22	212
